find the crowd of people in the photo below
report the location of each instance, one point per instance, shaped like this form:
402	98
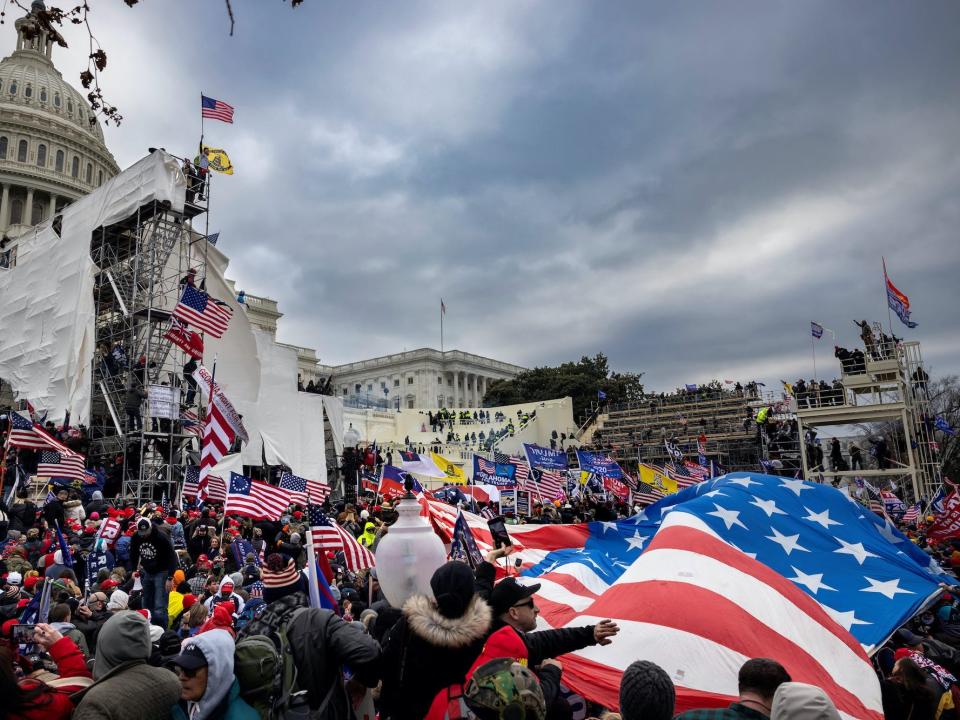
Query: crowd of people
193	614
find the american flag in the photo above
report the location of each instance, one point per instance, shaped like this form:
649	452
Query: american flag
788	569
551	484
54	464
693	469
523	470
215	109
255	499
911	515
877	507
202	311
328	535
646	494
216	487
303	491
191	423
683	476
25	434
217	438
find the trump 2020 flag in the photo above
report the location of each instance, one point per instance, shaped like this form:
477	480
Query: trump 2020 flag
897	301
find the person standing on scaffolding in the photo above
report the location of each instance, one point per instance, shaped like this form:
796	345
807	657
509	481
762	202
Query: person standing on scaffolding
201	164
866	334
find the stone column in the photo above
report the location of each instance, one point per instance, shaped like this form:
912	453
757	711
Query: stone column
473	389
53	206
5	208
483	388
28	210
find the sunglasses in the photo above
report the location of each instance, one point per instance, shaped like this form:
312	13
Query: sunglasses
187	673
525	603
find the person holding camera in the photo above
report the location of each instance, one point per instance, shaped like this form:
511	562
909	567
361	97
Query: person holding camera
33	698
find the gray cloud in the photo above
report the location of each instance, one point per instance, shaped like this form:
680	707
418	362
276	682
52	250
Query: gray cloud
683	186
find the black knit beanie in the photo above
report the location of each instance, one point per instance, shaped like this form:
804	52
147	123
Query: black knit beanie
453	588
646	692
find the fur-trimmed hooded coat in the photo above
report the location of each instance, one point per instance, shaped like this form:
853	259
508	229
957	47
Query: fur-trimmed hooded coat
426	652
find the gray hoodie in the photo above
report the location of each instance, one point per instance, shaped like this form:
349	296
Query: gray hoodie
123	638
217	647
799	701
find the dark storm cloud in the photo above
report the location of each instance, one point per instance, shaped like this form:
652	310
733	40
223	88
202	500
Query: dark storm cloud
682	186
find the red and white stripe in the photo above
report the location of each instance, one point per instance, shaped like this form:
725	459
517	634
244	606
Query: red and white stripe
551	485
217	438
263	502
36	438
335	538
71	466
707	608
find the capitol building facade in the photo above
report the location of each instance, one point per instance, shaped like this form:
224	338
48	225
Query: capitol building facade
52	150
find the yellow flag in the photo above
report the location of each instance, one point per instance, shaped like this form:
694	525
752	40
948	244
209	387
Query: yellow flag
453	471
788	388
584	477
219	160
654	477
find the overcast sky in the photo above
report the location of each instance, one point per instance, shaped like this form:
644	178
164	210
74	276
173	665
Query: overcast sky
683	186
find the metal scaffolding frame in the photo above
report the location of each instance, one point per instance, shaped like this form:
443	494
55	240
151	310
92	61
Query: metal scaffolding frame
141	261
890	388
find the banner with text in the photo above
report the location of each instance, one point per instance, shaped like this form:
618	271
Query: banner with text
204	381
599	464
545	458
491	473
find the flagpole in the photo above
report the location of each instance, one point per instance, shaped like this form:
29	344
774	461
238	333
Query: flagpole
813	349
441	325
314	569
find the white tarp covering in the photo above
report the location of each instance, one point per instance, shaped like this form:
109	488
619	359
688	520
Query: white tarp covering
238	368
47	311
285	425
334	409
227	465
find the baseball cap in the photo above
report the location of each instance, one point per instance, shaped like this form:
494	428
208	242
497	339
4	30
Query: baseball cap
502	689
143	524
907	637
14	578
108	584
190	658
508	592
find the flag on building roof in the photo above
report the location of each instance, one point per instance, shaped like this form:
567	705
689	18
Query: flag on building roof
255	499
303	491
328	535
214	109
53	464
203	312
896	300
187	340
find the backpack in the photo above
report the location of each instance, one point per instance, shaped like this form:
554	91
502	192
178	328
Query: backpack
251	611
267	675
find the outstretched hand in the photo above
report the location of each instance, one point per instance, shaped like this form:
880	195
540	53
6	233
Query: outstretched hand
604	630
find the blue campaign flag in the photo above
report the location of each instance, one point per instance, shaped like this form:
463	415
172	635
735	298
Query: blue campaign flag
98	559
816	329
599	464
545	458
943	426
601	395
463	546
64	548
937	503
691	387
867	575
326	594
491	473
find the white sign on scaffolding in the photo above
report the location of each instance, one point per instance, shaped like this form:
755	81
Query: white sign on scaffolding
164	401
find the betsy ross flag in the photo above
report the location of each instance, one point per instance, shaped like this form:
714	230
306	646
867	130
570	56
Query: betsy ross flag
215	109
302	490
328	535
202	311
187	340
53	464
255	499
897	301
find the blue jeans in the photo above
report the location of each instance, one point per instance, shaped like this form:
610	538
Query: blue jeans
155	596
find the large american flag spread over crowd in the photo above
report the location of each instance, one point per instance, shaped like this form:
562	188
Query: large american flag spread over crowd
741	566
